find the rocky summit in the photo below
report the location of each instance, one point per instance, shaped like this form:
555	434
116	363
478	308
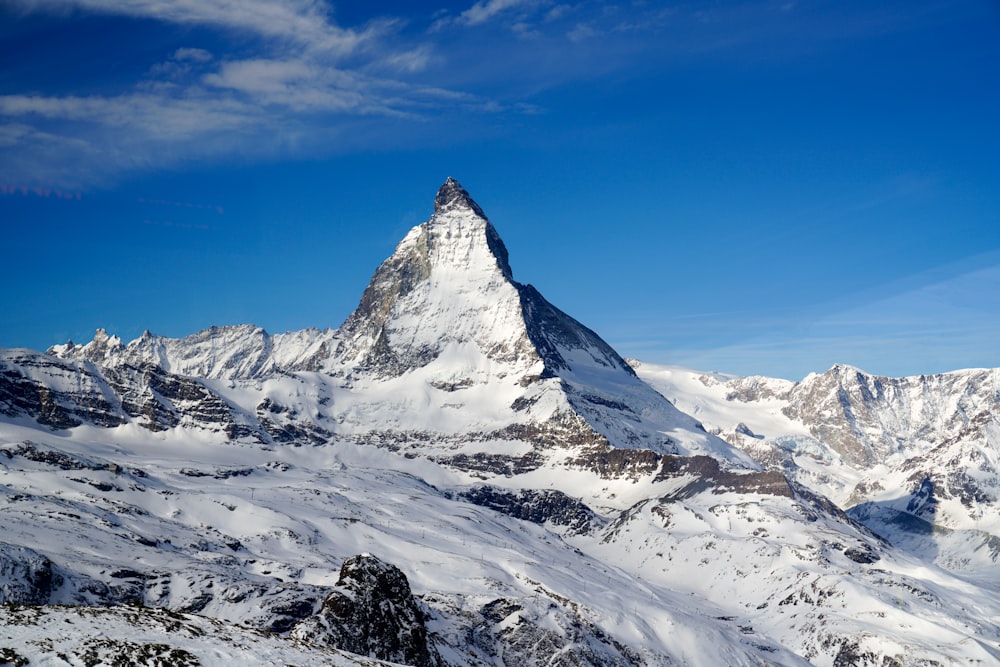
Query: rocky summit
463	474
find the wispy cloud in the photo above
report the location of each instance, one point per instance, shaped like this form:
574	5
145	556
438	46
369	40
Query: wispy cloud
301	75
192	54
582	31
261	75
936	326
170	118
483	11
305	22
295	84
522	17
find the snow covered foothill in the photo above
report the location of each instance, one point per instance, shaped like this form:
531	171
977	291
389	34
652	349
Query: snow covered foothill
242	533
917	459
247	534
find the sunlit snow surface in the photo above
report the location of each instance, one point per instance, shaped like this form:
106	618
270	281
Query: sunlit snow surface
709	579
942	426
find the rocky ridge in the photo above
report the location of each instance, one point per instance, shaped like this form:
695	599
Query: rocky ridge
916	458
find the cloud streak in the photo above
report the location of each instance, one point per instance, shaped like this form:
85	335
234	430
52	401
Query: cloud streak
486	10
282	75
305	22
307	78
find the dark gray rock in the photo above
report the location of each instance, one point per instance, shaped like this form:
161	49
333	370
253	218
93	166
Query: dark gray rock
26	576
23	392
537	506
372	612
452	195
515	633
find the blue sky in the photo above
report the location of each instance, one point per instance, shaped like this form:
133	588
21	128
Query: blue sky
759	187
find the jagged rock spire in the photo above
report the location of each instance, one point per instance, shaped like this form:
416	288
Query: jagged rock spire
452	196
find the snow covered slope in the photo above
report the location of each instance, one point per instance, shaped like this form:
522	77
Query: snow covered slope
917	459
31	635
461	474
684	566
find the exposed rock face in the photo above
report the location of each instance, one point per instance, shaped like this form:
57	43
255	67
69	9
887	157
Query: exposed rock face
868	419
26	577
58	394
241	352
511	630
372	612
538	506
937	435
705	474
917	459
451	195
448	282
63	394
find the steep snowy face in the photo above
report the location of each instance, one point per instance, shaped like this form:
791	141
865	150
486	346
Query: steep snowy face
448	285
445	333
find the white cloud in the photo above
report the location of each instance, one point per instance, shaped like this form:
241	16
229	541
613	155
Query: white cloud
557	12
161	116
251	107
484	10
306	22
192	54
179	65
582	31
300	82
309	87
414	60
260	75
307	78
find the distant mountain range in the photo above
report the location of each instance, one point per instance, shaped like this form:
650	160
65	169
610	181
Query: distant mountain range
462	474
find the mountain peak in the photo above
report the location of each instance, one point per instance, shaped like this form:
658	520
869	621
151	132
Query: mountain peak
451	195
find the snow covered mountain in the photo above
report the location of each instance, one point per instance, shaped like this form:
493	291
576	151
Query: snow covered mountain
916	459
461	474
443	344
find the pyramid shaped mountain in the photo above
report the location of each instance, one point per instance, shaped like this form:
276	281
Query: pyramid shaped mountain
445	356
445	312
449	284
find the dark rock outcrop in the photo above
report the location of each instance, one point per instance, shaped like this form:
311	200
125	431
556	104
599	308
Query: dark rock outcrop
35	385
537	506
372	612
512	631
26	577
707	474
